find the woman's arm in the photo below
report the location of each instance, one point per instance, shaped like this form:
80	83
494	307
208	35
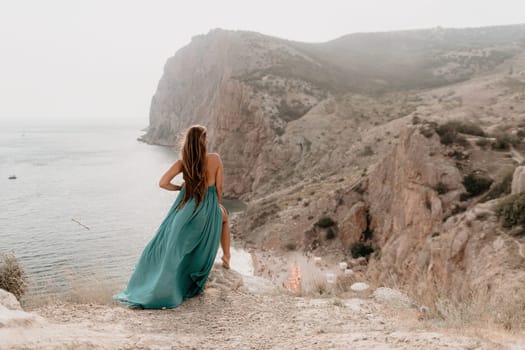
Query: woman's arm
218	179
165	180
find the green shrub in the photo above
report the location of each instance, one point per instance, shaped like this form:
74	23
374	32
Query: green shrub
511	210
521	134
12	275
361	249
325	222
476	185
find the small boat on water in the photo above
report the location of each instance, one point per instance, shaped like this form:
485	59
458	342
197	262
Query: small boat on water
12	177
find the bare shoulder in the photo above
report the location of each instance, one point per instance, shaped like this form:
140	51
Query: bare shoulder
214	158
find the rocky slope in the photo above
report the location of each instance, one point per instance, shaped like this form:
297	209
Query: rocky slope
231	314
341	150
276	108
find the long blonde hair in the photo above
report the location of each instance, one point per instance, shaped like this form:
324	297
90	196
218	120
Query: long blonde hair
193	154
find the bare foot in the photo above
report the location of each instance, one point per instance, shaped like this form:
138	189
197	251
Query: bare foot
226	262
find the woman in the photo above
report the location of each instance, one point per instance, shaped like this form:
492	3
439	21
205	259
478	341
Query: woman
175	264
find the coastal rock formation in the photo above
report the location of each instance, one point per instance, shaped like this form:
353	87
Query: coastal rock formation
342	149
279	111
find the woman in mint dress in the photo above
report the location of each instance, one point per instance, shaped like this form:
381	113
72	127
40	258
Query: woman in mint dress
175	264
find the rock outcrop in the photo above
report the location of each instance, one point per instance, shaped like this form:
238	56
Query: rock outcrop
424	243
12	315
518	180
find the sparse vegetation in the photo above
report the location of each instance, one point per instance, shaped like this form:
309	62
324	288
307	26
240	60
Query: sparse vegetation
449	133
426	131
441	188
476	184
511	211
483	143
448	136
290	246
325	222
12	275
367	151
501	143
501	188
361	249
330	233
504	141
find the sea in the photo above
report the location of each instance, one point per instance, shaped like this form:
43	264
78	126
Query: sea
84	203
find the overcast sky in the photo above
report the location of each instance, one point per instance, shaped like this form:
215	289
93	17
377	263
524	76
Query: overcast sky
101	59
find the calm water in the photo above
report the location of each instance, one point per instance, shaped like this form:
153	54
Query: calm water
99	176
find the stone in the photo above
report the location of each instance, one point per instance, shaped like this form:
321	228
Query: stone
9	301
392	297
359	287
518	180
353	224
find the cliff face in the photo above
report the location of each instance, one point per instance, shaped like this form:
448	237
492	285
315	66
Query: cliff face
347	130
425	242
276	108
217	81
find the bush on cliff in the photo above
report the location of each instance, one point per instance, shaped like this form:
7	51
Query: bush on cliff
449	133
511	211
361	249
12	275
476	184
325	222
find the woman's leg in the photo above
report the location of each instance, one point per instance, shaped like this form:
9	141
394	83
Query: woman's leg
225	239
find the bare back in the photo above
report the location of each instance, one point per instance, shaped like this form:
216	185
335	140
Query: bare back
212	167
214	172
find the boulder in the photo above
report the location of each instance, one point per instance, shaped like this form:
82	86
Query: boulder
353	225
9	301
359	287
392	297
518	180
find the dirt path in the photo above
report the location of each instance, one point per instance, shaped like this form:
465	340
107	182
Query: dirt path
229	316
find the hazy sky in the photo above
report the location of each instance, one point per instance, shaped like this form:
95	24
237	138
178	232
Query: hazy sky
102	59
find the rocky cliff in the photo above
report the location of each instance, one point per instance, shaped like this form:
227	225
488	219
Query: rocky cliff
278	109
397	147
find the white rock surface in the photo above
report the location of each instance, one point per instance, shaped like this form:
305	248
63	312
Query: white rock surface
9	301
392	297
11	313
518	180
359	287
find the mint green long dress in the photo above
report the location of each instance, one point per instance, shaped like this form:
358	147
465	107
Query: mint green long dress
175	264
